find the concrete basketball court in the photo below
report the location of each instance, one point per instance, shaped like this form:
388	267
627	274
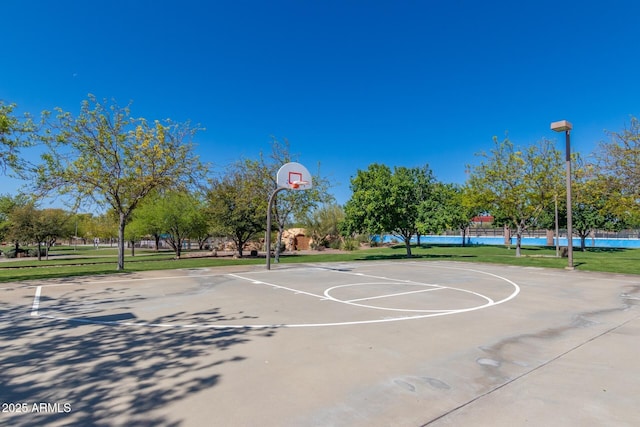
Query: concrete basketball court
405	343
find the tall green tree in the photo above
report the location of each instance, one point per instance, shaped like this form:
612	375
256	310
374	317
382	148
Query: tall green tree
106	155
134	231
173	215
367	209
516	184
8	205
383	201
448	208
15	133
237	203
178	212
619	167
289	204
21	225
147	221
200	222
591	205
323	224
50	225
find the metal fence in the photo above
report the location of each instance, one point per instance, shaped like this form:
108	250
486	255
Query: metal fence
499	231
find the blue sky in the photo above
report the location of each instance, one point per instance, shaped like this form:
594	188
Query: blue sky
347	83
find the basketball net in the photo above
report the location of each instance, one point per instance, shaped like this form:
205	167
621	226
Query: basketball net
296	184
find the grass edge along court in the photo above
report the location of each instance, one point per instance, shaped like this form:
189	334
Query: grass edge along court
67	262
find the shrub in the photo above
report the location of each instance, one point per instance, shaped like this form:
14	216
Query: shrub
335	244
317	246
12	253
350	245
34	252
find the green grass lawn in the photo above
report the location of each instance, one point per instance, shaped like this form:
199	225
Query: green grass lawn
85	261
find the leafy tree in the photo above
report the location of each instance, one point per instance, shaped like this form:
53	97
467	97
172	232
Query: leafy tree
447	209
104	227
147	221
424	183
386	201
27	224
82	224
135	231
49	225
619	168
14	134
21	225
106	155
590	202
516	185
288	204
200	223
179	215
8	206
237	203
366	211
323	224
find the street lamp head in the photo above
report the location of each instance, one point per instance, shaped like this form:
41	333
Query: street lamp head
561	126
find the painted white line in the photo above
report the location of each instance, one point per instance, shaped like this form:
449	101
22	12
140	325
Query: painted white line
489	303
36	302
395	295
218	326
130	279
273	285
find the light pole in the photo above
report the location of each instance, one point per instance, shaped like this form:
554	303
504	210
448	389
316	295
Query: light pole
565	126
555	199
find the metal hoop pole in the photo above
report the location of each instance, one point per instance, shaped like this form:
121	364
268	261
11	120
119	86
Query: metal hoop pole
268	236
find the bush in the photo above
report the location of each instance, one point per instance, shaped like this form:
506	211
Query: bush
12	253
34	252
317	246
350	245
335	244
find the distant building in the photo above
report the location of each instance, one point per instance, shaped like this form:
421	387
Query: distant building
482	221
295	239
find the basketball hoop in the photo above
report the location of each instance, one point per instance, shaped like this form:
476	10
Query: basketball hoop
290	176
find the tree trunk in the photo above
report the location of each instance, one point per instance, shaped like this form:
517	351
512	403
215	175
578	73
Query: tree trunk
133	248
407	244
279	243
518	245
157	239
121	224
39	247
418	239
178	248
464	236
518	241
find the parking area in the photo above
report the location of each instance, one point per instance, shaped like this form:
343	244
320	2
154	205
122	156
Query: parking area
403	343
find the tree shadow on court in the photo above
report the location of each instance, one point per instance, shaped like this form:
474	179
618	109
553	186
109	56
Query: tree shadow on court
601	250
106	374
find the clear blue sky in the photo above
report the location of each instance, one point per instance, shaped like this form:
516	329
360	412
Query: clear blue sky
348	83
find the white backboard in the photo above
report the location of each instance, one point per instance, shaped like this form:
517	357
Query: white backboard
294	176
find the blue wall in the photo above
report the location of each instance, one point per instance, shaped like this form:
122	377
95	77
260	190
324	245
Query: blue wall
526	241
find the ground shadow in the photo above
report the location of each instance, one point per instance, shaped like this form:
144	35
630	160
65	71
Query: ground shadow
93	372
601	250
